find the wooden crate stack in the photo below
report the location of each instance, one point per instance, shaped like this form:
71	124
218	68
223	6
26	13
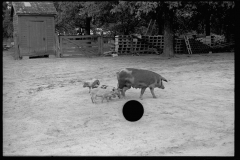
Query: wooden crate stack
123	44
179	46
157	41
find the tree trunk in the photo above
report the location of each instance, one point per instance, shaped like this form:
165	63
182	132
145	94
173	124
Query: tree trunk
160	22
160	25
207	24
168	33
227	34
87	27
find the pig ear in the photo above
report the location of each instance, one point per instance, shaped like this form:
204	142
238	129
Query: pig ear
163	79
97	82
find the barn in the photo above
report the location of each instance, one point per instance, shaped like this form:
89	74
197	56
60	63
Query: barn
34	28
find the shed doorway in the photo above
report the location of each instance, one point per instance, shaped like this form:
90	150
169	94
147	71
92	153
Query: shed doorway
37	37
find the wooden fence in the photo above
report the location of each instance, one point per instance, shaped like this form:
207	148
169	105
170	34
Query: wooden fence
130	44
89	45
108	45
79	45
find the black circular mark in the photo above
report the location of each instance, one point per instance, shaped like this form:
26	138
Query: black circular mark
133	110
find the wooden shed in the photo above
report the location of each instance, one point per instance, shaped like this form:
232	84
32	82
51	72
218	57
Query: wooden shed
34	28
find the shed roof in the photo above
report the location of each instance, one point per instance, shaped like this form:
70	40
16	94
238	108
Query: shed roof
34	8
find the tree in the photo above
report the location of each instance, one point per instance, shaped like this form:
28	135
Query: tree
87	11
168	31
208	16
127	17
68	18
7	20
227	18
73	15
165	11
125	13
111	15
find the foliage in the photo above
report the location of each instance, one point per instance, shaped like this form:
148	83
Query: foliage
125	13
68	18
127	17
7	21
191	17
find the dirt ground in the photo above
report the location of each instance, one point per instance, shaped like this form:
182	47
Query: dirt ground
46	111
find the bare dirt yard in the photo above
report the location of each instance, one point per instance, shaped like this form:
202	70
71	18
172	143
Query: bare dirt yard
46	111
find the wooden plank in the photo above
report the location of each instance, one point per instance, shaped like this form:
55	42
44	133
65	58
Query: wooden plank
79	53
74	37
61	49
88	36
79	44
78	49
50	36
68	55
71	41
83	41
17	52
74	46
70	49
99	45
71	46
57	46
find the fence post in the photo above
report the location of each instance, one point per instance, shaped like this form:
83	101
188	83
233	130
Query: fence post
131	43
57	46
61	49
100	44
17	52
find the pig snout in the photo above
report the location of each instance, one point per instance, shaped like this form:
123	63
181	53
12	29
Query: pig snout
162	86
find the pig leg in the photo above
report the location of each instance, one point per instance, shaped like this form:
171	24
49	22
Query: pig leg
92	97
126	88
152	91
142	91
123	91
104	97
